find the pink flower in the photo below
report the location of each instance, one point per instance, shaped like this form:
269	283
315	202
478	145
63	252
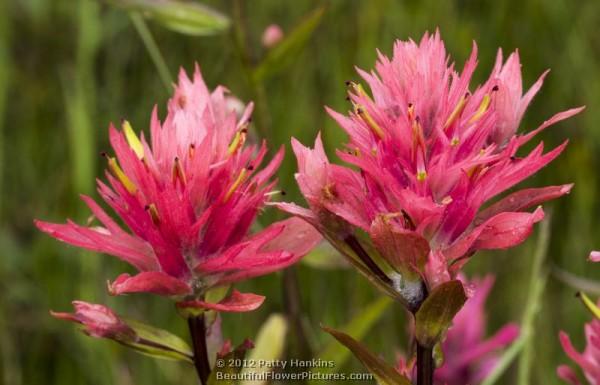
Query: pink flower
468	356
188	198
429	152
98	321
272	35
589	360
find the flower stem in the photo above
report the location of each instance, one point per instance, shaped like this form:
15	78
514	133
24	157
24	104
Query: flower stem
198	333
425	365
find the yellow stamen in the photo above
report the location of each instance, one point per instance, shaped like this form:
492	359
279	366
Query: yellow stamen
454	141
329	191
367	118
153	211
421	176
485	103
238	181
358	89
132	139
238	140
118	173
457	111
177	172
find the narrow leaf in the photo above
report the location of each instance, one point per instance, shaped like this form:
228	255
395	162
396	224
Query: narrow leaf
189	18
158	343
436	313
289	48
356	328
383	373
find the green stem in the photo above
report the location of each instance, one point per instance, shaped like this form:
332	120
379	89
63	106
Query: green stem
152	48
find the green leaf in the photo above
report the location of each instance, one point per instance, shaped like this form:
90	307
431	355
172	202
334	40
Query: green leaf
356	328
383	373
157	342
437	311
289	48
189	18
269	345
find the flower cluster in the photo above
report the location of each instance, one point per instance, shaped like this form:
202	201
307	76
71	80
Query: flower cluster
428	152
189	197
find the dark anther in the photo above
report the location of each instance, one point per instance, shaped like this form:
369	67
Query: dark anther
250	167
103	154
495	88
283	192
347	82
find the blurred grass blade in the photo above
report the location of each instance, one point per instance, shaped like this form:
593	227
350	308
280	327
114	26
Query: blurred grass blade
152	48
269	346
189	18
537	282
325	257
289	48
357	328
576	282
384	374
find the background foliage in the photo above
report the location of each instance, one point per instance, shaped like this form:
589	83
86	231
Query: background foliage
68	68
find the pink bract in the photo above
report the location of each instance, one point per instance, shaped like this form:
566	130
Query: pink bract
588	361
188	197
428	152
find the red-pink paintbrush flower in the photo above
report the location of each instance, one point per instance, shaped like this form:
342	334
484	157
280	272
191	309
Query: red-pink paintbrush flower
429	152
189	197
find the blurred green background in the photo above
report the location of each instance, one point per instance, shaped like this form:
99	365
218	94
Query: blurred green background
69	67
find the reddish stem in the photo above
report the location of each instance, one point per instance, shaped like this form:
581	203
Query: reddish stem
198	333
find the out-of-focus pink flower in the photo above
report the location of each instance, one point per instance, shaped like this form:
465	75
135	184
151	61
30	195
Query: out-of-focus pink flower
594	256
589	360
430	152
468	356
272	35
98	321
189	197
